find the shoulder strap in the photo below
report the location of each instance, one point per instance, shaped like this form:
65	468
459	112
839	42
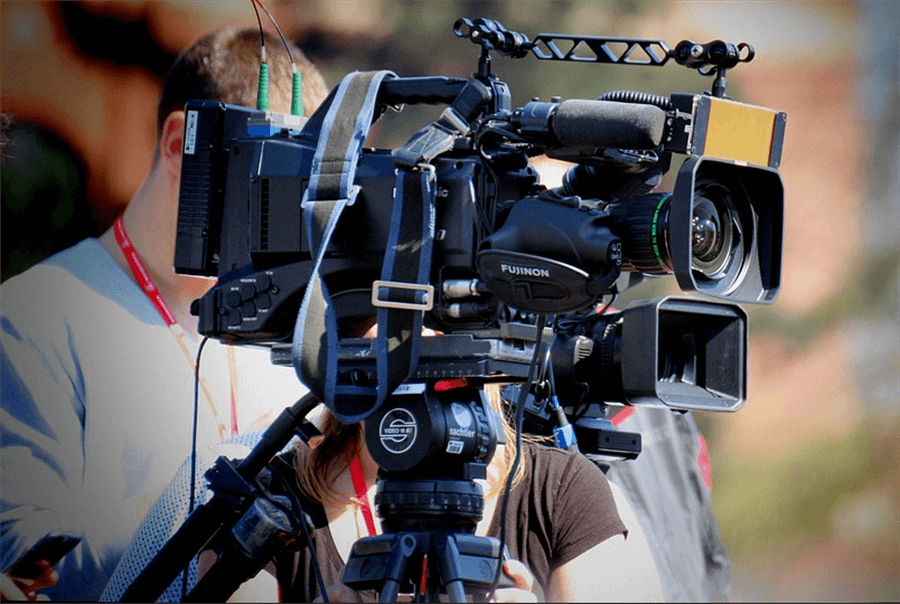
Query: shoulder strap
340	138
401	295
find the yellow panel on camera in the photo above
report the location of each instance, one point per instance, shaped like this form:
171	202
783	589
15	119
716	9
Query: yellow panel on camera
740	132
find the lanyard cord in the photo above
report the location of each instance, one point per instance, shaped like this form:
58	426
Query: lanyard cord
362	490
145	281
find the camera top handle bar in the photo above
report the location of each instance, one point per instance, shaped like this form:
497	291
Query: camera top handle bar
491	35
711	59
226	505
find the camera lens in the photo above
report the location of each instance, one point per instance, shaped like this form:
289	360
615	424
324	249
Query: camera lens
708	232
677	358
705	232
643	225
726	222
711	238
716	235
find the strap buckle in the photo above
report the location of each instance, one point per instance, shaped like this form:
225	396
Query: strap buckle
426	304
426	167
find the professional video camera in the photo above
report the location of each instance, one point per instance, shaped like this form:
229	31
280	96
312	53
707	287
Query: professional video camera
244	209
313	238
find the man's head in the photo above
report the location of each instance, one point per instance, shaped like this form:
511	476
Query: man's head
224	65
221	66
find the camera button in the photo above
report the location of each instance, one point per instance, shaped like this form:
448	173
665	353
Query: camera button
248	309
231	317
232	299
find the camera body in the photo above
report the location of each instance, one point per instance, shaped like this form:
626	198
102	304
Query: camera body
504	247
240	221
253	237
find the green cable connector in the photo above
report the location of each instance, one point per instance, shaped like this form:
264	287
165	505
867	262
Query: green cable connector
262	96
296	95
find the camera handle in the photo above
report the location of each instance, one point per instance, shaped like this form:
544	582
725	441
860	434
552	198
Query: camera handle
403	293
711	59
237	503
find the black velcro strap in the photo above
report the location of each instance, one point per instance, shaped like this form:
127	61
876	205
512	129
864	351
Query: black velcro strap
407	263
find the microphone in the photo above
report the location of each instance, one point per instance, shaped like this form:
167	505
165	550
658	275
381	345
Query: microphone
599	124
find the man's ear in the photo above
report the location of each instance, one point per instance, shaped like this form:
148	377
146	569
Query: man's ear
171	142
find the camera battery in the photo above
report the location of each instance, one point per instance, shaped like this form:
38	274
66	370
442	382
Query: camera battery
722	128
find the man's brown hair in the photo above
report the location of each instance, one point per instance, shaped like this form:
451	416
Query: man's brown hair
224	66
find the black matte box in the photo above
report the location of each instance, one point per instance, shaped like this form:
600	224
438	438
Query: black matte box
685	354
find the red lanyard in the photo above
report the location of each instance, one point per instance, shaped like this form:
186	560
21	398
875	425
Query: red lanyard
145	281
140	273
362	494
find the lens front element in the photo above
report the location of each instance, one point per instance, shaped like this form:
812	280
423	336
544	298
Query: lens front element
716	234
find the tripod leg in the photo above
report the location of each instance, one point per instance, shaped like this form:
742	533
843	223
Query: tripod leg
401	553
456	592
380	563
447	555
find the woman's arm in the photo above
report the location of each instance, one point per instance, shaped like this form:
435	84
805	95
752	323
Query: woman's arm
608	572
616	570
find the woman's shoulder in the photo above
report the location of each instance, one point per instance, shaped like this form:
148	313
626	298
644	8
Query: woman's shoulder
553	457
558	470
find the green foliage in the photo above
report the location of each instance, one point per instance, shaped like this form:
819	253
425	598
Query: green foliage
45	209
765	508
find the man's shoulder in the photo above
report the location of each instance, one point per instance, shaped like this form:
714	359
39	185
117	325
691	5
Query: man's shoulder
69	282
74	260
85	264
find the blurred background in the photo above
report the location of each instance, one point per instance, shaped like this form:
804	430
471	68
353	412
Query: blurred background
805	477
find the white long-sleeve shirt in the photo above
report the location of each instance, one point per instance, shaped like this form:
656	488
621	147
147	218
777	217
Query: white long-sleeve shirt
97	408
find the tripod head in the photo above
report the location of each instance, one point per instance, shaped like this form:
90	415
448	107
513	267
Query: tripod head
443	434
431	441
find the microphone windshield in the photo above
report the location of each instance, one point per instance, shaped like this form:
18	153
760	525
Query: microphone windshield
608	124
